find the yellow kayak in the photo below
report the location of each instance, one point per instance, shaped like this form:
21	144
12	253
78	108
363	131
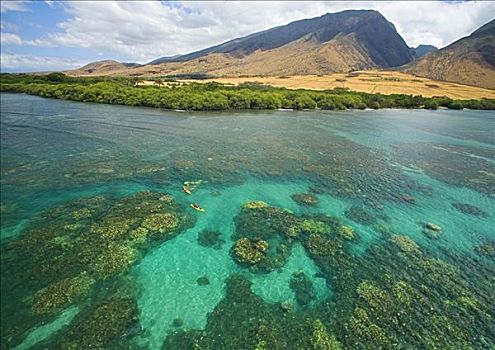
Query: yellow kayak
196	207
186	190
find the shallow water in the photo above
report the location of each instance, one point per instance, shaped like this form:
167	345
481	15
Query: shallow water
384	173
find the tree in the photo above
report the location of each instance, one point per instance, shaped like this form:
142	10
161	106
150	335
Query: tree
57	77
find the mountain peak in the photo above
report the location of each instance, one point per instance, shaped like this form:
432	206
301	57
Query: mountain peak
422	50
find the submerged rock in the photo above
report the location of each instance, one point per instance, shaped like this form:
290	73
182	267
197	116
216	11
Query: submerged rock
203	281
316	189
286	306
469	209
303	288
408	199
177	322
212	239
305	199
432	230
432	227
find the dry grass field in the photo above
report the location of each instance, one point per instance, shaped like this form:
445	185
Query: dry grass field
384	82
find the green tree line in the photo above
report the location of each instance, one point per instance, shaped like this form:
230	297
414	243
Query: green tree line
215	96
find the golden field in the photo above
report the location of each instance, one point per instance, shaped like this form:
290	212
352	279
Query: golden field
384	82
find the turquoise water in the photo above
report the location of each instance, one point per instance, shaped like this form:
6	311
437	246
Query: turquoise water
71	171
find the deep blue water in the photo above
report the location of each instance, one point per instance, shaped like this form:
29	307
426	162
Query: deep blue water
383	173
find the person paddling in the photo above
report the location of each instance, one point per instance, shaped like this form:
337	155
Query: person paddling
196	207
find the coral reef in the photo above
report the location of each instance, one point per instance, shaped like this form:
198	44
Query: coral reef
115	259
305	199
160	222
404	293
65	263
394	292
249	252
277	226
81	214
255	205
366	331
319	245
405	243
139	234
59	295
374	296
311	226
321	340
111	227
102	325
347	232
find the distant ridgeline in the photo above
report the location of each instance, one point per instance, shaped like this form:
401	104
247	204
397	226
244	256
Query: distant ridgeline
215	96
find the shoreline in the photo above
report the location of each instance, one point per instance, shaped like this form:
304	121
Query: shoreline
441	108
214	96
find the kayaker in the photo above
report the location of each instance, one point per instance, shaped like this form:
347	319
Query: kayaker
195	206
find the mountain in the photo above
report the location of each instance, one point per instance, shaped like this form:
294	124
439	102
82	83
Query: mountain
366	30
422	50
334	42
470	60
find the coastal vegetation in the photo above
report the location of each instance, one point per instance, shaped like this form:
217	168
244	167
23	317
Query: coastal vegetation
215	96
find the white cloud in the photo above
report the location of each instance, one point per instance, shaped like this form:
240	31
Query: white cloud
30	63
4	25
144	30
7	5
9	38
437	23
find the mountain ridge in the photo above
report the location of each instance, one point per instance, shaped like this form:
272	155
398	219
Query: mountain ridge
468	60
365	23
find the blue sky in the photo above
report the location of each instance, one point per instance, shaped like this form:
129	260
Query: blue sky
57	35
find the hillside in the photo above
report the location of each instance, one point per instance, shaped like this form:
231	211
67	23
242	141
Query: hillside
334	42
102	67
470	60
